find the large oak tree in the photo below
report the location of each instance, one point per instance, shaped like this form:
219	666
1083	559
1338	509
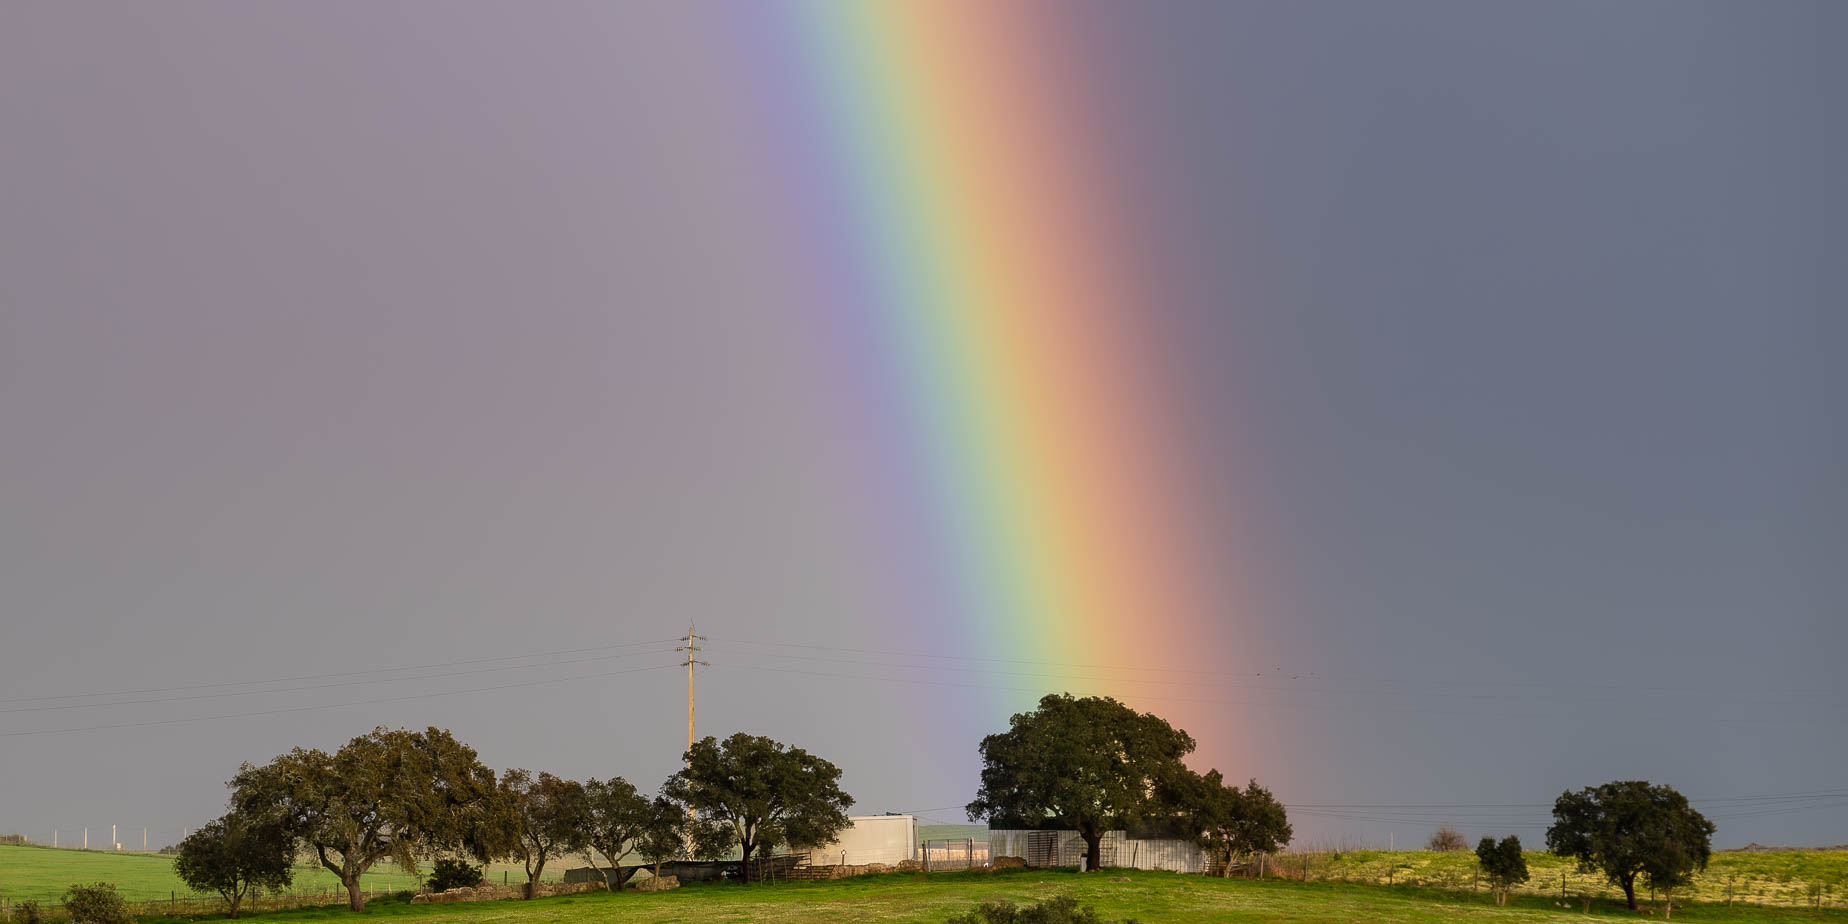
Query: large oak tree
390	793
1629	828
758	793
1090	764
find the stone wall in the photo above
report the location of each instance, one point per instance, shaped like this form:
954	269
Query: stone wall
490	893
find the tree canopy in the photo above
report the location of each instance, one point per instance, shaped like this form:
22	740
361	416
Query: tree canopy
615	818
1503	865
235	856
550	815
1230	822
1629	828
1090	764
390	793
760	793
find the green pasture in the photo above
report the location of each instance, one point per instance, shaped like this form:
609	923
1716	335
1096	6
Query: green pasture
43	873
913	898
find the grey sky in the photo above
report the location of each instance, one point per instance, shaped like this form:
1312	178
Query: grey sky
339	337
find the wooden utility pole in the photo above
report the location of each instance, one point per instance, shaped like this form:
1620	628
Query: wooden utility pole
689	647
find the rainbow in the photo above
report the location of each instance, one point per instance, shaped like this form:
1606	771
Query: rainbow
990	307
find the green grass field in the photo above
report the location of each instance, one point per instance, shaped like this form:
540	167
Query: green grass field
28	872
911	898
43	873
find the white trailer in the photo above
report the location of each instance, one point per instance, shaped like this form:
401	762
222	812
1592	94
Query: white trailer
888	839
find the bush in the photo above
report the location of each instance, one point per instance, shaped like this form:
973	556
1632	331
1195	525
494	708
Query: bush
28	912
1061	910
453	874
1446	839
96	904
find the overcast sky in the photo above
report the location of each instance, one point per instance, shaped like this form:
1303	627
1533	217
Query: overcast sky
343	338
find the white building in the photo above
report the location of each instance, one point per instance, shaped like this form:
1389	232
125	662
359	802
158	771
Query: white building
888	839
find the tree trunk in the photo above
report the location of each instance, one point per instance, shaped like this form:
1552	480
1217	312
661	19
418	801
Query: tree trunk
746	847
532	878
356	899
1093	850
1629	891
233	898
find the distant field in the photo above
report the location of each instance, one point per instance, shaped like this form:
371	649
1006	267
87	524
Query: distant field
43	873
1783	877
913	898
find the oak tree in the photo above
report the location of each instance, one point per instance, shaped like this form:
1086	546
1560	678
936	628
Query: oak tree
759	793
1090	764
235	856
1630	828
550	815
1230	822
613	824
387	794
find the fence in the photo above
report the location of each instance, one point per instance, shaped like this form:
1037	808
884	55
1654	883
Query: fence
1116	849
953	853
176	904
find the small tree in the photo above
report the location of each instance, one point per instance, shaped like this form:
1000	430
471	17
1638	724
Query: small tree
1230	822
1503	865
236	856
664	833
1091	764
1446	839
761	793
551	815
96	904
1630	828
615	818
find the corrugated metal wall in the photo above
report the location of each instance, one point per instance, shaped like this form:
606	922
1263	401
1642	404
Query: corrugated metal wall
1181	856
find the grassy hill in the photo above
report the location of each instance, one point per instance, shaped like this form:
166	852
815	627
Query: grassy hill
1784	877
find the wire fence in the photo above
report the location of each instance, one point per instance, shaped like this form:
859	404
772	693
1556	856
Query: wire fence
1381	868
179	904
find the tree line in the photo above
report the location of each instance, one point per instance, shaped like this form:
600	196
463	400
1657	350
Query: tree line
401	795
1088	764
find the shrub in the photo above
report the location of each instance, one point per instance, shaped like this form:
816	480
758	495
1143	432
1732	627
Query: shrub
453	874
1061	910
96	904
1445	840
28	912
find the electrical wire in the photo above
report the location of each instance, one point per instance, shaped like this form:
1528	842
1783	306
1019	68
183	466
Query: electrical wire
363	702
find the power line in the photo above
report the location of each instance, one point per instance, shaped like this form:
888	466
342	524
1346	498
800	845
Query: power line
336	684
1290	704
1165	669
362	702
376	670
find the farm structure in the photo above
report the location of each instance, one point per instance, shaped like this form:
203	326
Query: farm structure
1042	849
888	839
